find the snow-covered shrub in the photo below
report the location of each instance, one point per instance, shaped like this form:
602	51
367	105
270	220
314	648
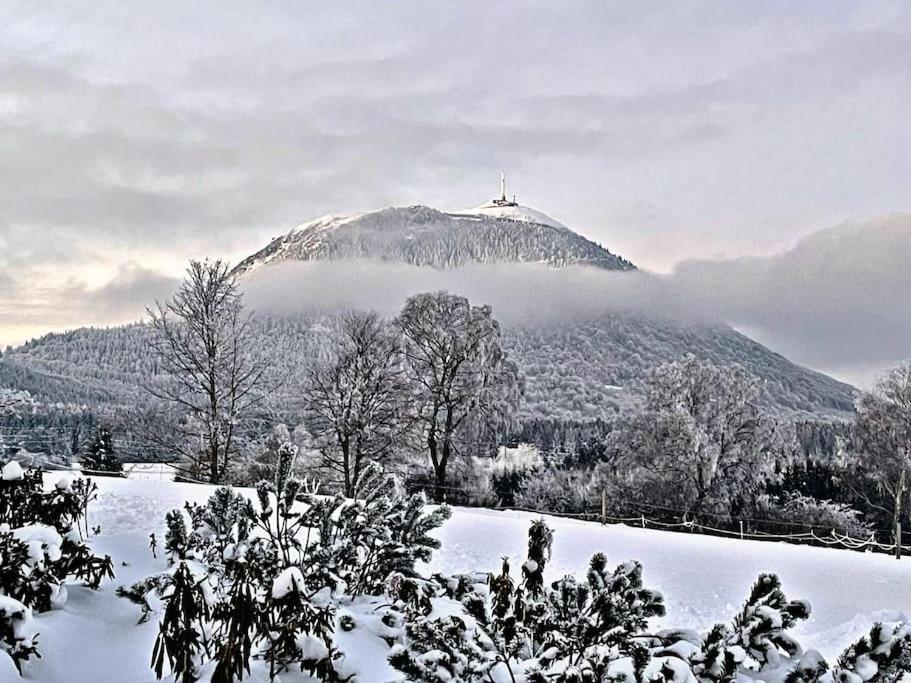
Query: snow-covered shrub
881	656
529	632
555	490
597	631
884	654
263	578
18	637
40	549
821	515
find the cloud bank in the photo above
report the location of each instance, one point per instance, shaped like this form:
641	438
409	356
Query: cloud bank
838	301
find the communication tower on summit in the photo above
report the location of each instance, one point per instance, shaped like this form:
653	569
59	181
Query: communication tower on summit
502	200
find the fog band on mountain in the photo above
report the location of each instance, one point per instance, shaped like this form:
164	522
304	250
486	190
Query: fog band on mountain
818	303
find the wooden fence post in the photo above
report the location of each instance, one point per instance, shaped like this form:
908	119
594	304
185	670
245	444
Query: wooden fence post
898	540
603	507
642	520
741	529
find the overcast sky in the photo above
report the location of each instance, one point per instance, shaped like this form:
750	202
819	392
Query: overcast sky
134	136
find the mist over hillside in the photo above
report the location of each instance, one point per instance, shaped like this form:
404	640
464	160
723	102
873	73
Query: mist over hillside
580	336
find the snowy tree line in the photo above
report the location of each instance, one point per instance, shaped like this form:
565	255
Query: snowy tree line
574	371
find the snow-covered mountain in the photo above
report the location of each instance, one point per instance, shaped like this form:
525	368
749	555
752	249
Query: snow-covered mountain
418	235
577	367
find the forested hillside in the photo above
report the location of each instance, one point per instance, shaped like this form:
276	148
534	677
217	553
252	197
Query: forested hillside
421	236
586	369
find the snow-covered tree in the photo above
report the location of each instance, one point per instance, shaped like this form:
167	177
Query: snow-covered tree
465	385
882	432
203	342
356	398
100	455
702	435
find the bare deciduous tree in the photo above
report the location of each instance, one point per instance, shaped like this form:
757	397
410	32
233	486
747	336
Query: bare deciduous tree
882	435
356	398
464	384
213	377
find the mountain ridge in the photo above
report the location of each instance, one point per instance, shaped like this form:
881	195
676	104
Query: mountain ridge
423	236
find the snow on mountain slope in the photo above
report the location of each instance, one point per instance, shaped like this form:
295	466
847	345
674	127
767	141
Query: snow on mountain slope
704	580
419	235
511	211
572	369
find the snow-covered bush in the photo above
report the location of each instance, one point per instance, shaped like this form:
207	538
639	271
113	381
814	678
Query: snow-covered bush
556	490
881	656
526	631
18	636
781	513
263	579
40	549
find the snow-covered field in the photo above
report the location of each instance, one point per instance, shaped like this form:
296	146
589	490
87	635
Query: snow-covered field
95	637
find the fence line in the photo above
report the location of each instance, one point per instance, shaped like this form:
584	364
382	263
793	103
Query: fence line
830	539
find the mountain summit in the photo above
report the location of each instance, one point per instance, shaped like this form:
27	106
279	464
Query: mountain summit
497	231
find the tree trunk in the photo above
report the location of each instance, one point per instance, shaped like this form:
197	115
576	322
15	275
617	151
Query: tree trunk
897	515
346	467
438	476
439	491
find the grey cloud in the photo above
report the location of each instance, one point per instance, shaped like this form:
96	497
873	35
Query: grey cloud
128	293
37	309
665	132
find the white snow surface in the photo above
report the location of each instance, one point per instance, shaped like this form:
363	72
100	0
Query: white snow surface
704	580
526	214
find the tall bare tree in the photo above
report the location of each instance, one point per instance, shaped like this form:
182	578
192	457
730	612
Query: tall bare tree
356	398
882	435
465	385
213	376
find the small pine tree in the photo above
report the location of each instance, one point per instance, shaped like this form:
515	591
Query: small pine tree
100	455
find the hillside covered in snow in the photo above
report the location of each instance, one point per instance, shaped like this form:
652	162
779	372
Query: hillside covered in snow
577	370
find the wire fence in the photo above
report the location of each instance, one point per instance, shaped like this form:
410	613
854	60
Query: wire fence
678	520
673	519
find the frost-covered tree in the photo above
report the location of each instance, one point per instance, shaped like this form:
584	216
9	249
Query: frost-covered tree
212	374
882	436
100	455
13	401
356	398
465	385
702	433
